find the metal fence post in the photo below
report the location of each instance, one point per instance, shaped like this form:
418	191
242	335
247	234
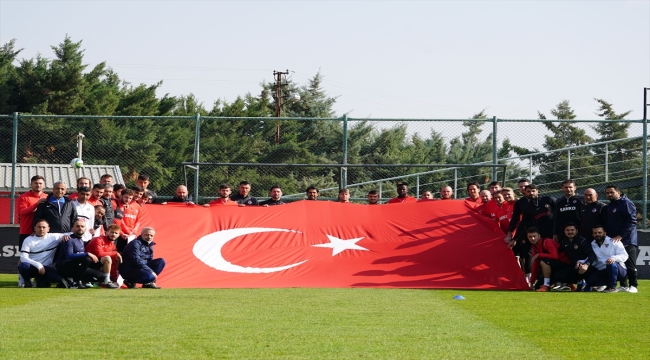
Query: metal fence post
494	148
645	158
568	164
530	168
456	183
606	162
197	142
417	186
344	171
14	157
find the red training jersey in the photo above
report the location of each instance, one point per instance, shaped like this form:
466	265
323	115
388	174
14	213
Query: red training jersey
127	216
547	249
27	204
500	214
101	246
398	200
221	201
478	200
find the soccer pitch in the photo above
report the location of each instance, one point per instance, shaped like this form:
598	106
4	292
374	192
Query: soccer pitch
320	323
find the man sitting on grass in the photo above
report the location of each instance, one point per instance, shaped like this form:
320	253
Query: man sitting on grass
610	261
36	256
546	257
138	265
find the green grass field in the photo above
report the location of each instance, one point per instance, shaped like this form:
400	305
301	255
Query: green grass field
320	323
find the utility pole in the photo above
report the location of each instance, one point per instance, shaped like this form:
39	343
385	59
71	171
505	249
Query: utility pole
278	99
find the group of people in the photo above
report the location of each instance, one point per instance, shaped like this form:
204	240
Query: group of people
87	238
576	243
570	244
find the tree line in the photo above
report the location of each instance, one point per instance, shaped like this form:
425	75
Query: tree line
65	85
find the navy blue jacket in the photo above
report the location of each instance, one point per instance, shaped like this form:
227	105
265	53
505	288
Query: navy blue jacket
621	220
136	254
71	249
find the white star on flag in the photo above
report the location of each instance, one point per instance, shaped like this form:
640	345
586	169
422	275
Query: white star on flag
339	245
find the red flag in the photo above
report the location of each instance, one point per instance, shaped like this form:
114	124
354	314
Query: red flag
434	244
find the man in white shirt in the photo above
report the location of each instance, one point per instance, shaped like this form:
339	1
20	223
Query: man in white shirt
610	261
85	211
37	254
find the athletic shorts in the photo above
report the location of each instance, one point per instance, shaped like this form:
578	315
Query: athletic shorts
556	265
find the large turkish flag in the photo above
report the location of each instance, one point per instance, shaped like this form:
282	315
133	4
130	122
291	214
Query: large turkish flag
433	244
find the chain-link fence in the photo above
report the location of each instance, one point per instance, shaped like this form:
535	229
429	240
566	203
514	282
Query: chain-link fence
592	152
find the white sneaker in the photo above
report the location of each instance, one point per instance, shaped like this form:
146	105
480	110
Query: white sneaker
622	289
21	281
632	289
601	288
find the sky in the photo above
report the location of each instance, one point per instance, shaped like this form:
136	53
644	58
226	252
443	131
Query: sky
424	59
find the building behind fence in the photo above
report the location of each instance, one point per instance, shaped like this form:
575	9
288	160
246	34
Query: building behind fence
202	151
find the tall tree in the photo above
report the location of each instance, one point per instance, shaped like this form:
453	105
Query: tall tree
625	157
554	167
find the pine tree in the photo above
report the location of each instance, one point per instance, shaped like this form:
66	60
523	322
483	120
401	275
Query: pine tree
625	157
553	166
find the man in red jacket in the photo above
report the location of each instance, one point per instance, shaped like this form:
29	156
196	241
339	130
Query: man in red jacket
27	204
104	248
545	255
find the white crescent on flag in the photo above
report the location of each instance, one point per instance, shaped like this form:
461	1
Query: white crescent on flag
208	250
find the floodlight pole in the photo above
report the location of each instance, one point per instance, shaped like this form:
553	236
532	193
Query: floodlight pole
80	142
278	99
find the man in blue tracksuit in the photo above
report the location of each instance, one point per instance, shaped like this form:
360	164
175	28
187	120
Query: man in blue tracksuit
73	260
621	226
138	265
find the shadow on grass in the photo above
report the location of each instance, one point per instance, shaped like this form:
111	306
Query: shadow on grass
8	281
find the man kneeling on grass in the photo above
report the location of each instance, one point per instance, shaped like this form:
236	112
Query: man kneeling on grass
138	265
37	254
546	257
578	249
104	248
610	261
73	261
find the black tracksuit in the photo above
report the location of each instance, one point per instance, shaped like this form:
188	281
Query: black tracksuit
592	214
577	250
539	213
567	210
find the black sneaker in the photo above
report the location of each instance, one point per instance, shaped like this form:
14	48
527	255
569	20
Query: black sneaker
151	285
130	285
610	290
67	282
80	285
28	283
